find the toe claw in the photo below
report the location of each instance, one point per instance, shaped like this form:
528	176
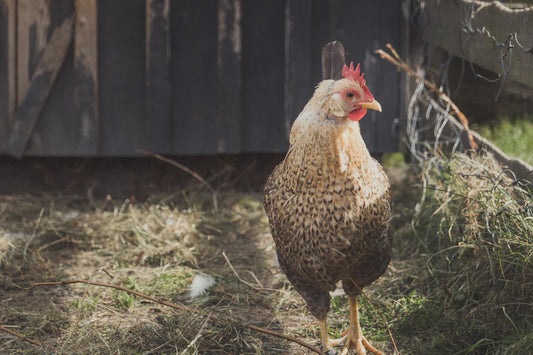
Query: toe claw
370	348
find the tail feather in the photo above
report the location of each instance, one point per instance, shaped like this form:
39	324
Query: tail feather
333	60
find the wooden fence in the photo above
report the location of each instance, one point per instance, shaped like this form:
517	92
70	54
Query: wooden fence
106	78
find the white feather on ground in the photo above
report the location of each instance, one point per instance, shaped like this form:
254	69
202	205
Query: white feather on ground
200	284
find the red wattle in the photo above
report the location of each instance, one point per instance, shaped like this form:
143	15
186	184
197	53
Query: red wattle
357	114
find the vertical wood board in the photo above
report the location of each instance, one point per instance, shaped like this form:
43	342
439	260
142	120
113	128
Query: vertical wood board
121	75
7	65
298	49
37	94
157	134
57	127
320	35
56	130
32	20
373	29
228	117
263	71
86	76
194	76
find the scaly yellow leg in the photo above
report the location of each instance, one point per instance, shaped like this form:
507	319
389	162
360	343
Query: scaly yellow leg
356	341
324	337
327	343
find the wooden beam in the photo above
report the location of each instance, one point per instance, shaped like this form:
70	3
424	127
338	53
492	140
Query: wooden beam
520	169
298	57
33	19
194	76
263	72
8	93
121	76
473	30
228	118
86	76
41	83
157	135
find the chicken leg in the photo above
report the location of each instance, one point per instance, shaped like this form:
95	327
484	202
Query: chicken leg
355	340
327	343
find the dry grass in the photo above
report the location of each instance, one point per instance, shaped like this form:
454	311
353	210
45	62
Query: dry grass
154	247
459	282
473	230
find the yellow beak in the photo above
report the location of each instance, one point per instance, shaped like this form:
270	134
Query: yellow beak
373	105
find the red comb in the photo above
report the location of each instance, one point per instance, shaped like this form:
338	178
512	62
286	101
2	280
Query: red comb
355	75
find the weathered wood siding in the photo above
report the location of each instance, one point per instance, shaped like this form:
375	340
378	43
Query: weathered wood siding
488	34
180	77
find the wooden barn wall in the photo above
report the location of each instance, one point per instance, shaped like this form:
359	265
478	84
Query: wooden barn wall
180	77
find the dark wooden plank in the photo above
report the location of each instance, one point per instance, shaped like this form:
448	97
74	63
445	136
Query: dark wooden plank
445	27
86	76
121	75
298	54
194	76
157	135
413	52
320	35
32	24
42	82
263	71
361	36
228	118
7	65
56	130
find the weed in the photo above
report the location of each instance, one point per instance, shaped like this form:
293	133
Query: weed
513	136
477	240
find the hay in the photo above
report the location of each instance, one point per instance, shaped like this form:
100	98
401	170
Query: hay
475	227
460	280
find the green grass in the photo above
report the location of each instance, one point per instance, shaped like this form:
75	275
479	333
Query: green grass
393	160
513	136
472	235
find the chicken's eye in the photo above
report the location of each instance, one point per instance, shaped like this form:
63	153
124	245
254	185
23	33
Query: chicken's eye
349	95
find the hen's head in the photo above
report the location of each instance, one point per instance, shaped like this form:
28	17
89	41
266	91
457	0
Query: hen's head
350	96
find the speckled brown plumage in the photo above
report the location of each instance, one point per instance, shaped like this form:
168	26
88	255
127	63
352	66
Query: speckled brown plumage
329	203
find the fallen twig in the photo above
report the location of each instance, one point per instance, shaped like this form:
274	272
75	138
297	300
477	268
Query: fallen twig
168	304
191	344
397	60
288	337
187	170
96	283
25	338
238	276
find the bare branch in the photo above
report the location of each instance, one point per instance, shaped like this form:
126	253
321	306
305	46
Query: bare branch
288	337
431	86
168	304
25	338
186	169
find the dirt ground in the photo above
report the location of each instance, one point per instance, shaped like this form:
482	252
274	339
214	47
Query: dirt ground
147	226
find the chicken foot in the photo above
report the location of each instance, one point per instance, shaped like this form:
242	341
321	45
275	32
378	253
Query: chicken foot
327	343
355	340
353	335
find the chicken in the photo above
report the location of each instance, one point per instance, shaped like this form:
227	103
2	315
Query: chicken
329	204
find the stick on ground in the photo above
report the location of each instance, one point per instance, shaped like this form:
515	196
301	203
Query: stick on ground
25	338
165	303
